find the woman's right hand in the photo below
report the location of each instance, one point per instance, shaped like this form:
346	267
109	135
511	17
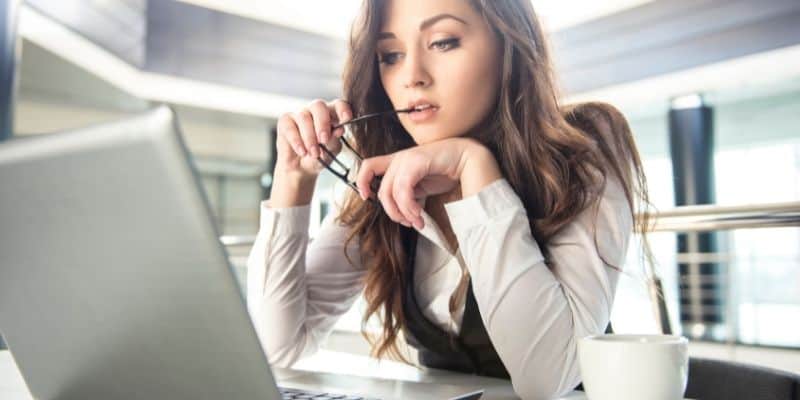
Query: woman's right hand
299	134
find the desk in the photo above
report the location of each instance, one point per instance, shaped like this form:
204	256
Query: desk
12	386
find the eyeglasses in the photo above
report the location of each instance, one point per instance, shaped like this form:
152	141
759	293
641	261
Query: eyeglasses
344	171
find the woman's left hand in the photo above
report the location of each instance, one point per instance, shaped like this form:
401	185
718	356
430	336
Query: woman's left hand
410	174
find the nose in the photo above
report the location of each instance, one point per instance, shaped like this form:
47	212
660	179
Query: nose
415	73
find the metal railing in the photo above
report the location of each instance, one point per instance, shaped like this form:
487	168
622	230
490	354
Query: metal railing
717	218
702	218
237	241
681	219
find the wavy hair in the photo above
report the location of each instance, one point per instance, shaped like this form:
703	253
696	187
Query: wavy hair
556	158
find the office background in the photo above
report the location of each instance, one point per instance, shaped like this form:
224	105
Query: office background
230	68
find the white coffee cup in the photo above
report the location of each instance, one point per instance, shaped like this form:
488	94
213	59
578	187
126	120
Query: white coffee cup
634	367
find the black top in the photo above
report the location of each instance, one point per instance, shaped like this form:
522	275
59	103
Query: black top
470	352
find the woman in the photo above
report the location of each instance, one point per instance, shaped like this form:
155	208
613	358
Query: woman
525	208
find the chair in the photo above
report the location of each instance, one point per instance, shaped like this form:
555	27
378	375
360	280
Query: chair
723	380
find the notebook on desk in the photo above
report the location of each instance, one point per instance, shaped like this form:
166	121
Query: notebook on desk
115	285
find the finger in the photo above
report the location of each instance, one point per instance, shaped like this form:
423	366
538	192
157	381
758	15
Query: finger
322	120
342	113
326	157
288	129
403	193
386	196
334	145
369	169
304	121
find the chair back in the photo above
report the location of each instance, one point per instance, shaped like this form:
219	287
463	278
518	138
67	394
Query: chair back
723	380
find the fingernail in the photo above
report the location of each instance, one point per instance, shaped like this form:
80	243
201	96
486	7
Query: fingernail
302	151
324	136
346	116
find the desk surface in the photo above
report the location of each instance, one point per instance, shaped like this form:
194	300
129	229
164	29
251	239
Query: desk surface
12	386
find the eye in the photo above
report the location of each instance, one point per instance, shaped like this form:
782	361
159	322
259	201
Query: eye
445	44
388	58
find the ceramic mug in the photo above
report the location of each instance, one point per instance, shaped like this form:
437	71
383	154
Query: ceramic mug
634	367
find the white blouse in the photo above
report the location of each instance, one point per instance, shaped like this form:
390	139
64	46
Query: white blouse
297	288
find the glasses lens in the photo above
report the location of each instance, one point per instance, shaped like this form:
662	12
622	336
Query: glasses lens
346	164
347	143
332	163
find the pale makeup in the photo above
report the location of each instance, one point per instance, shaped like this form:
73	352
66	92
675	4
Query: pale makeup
445	53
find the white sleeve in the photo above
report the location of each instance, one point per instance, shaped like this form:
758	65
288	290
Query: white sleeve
296	289
535	314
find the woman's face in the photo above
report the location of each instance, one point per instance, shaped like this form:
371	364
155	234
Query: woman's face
441	53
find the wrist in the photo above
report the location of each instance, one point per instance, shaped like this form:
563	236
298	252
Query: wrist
478	168
294	174
291	188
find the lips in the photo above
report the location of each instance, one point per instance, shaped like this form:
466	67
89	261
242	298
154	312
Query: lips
421	105
423	113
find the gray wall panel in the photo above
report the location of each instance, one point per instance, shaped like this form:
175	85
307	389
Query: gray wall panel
203	44
667	36
647	35
118	26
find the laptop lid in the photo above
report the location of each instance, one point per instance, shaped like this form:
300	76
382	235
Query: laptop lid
113	282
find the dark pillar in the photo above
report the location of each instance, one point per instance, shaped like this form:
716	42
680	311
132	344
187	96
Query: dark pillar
699	276
272	158
8	64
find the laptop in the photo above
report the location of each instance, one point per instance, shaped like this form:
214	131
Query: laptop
114	284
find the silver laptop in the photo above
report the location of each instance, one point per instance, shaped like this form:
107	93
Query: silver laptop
113	281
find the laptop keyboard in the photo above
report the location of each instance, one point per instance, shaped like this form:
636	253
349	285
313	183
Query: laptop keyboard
300	394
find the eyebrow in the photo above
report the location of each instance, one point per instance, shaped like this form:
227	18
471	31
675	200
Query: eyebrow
424	25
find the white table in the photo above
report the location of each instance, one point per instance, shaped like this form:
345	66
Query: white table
12	385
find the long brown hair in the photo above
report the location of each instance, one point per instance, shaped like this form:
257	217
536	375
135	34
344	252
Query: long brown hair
556	158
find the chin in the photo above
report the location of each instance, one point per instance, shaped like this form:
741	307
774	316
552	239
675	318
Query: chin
423	139
426	135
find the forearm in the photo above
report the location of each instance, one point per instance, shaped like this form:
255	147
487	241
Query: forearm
525	309
296	287
276	292
532	310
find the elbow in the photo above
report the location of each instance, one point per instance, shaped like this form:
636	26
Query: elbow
281	359
543	389
543	394
284	355
533	382
282	349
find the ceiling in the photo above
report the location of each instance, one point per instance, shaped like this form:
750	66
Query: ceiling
332	18
763	74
